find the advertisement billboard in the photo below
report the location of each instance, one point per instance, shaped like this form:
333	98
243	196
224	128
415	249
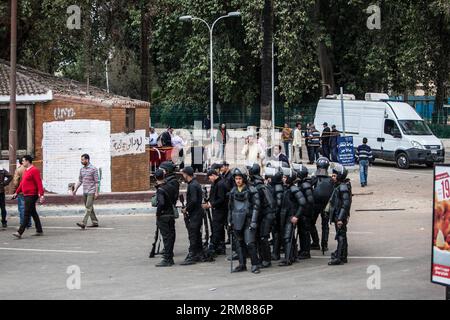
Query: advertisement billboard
440	269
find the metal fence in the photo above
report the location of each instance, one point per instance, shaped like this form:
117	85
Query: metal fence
236	116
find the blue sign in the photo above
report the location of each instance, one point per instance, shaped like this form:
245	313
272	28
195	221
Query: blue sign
346	151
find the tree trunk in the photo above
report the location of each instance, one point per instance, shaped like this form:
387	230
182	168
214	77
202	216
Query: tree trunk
326	66
266	66
442	71
145	29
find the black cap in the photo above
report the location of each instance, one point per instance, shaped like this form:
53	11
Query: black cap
216	166
159	174
325	124
211	172
225	164
189	171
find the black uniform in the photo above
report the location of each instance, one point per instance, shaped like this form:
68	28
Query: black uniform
339	210
218	199
322	190
276	186
243	217
165	219
173	181
305	222
195	215
286	226
265	219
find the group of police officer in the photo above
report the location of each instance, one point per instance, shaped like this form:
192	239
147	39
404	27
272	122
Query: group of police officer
264	216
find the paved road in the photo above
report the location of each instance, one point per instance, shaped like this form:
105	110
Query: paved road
114	260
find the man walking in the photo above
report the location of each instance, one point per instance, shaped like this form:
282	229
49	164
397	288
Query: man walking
222	138
194	213
286	137
89	179
5	179
32	189
365	157
18	175
297	143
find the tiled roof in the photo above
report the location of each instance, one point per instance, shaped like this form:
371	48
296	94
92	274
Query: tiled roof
25	86
31	82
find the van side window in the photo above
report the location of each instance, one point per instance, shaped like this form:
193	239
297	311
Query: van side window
391	128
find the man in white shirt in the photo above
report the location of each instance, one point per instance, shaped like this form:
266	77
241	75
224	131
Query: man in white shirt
297	143
153	139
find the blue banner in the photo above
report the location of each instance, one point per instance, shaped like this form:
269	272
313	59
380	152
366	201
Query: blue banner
346	151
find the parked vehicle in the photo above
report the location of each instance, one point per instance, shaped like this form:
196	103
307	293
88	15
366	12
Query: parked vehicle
394	129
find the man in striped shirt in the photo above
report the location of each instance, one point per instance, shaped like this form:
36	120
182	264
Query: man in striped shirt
89	179
365	157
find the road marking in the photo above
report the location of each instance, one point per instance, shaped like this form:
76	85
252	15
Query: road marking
47	250
381	258
72	228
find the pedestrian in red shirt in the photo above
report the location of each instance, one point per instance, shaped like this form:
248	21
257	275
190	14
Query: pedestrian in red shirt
32	189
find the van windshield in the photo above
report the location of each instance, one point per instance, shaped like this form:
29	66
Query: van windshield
415	128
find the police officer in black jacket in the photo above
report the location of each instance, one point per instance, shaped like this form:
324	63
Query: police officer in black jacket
164	217
194	211
243	219
277	188
304	226
268	210
169	174
218	202
339	211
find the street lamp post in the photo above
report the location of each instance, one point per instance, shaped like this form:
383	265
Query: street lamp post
211	83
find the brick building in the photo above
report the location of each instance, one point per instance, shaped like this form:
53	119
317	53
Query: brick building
58	120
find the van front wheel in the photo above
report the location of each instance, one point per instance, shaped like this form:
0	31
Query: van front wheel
402	161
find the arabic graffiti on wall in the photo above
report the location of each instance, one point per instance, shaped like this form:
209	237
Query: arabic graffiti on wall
128	143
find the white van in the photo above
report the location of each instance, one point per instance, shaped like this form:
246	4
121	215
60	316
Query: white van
394	129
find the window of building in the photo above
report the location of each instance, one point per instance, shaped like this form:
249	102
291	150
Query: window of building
22	129
130	120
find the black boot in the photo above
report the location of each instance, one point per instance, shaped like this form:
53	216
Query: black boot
165	263
240	268
304	255
255	270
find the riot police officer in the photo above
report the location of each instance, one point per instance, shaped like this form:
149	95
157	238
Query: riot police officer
339	211
165	219
194	212
243	219
277	188
266	216
304	228
322	190
289	215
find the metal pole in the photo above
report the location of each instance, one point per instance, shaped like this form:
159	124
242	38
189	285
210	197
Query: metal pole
273	92
107	77
342	111
12	103
211	85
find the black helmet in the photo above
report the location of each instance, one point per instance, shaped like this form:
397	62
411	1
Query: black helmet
301	170
275	175
290	175
239	172
168	166
254	170
340	171
323	163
